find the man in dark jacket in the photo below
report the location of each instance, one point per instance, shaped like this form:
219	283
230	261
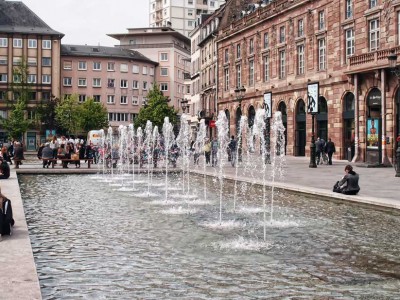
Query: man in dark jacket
4	169
18	154
6	215
47	155
330	149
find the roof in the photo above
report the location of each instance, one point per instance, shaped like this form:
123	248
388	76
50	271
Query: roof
16	17
101	51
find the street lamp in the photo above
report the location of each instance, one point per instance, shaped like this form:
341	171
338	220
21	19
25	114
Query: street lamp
392	57
239	92
312	108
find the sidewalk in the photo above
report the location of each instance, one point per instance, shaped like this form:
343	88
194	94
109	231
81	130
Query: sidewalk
379	186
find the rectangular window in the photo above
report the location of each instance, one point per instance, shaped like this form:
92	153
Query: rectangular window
124	84
96	82
238	51
266	40
144	70
82	65
135	85
251	46
17	78
300	28
321	20
349	43
110	82
82	98
321	54
46	61
374	35
110	99
110	66
17	43
31	78
32	61
300	59
46	44
3	60
145	85
373	3
67	65
3	42
164	87
67	81
17	60
266	68
251	72
238	76
46	79
226	79
151	71
282	34
82	82
163	56
124	100
226	56
135	100
349	9
124	68
3	77
96	98
32	43
282	64
163	71
96	66
135	69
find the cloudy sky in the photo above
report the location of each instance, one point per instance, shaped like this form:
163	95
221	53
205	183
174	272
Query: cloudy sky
88	21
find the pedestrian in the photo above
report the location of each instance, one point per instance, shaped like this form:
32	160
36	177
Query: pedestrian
47	155
6	215
349	183
232	150
18	154
4	169
330	149
207	151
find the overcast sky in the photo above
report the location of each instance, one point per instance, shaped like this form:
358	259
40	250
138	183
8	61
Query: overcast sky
88	21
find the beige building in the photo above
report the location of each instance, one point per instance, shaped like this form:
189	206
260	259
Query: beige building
25	37
181	15
118	78
170	49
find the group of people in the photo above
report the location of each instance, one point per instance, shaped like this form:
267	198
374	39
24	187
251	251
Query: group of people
65	150
322	149
13	151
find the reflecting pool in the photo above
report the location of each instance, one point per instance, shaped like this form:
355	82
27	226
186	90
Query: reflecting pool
92	241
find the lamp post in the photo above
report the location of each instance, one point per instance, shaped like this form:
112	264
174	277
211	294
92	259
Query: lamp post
392	57
312	108
239	92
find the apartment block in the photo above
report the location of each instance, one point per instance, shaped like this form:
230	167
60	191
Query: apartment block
118	78
181	15
24	37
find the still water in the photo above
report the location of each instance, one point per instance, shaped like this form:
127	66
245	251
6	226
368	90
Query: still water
91	241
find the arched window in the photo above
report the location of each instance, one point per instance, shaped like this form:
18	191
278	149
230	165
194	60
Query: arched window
300	134
322	119
237	119
228	117
282	109
252	116
348	125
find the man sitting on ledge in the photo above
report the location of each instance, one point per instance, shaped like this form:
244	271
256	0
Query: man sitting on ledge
349	183
4	169
47	155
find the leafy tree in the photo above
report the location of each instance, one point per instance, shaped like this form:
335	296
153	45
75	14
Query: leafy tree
156	110
16	124
68	113
92	115
46	111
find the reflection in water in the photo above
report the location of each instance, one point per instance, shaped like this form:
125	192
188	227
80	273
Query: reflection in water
91	242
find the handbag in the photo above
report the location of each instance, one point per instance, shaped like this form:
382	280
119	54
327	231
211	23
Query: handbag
75	156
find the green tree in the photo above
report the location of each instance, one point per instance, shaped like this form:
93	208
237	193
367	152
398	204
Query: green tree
156	110
68	113
16	123
46	111
20	92
92	115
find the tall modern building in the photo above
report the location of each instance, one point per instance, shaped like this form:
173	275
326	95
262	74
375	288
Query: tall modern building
180	15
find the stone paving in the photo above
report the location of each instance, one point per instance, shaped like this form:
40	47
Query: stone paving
379	186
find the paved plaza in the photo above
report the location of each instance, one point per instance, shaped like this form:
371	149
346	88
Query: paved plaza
379	186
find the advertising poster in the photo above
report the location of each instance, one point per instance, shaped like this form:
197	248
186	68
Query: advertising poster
372	133
50	134
268	104
312	98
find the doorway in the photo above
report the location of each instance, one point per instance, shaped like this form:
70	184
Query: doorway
300	134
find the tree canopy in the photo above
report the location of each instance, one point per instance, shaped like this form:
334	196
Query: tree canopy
92	115
156	110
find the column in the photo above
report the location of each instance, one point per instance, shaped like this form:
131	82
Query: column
385	160
356	122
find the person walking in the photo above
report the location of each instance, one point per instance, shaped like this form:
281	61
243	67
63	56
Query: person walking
18	154
232	149
330	149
